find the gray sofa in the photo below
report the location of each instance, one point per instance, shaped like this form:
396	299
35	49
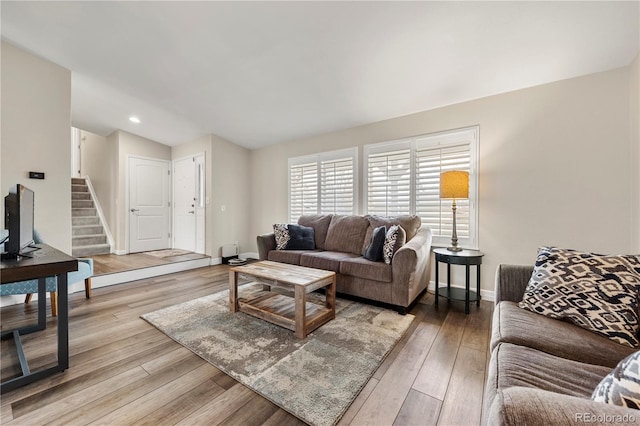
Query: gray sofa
543	371
340	241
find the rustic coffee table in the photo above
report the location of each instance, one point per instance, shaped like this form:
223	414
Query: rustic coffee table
293	313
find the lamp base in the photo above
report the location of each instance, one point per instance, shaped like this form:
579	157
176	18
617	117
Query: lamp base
456	248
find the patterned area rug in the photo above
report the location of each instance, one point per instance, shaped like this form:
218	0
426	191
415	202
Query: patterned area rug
315	379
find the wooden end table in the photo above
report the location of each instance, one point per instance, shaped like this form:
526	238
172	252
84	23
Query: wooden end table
295	313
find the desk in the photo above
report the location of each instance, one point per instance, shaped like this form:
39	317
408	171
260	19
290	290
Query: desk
466	258
45	262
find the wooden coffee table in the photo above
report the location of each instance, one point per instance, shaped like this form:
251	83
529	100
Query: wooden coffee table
293	313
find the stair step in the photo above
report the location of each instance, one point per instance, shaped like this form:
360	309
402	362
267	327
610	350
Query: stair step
85	220
78	181
80	196
90	250
83	212
87	230
81	204
79	188
88	240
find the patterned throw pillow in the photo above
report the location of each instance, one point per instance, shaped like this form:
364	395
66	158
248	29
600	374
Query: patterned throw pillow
622	385
281	232
391	243
595	292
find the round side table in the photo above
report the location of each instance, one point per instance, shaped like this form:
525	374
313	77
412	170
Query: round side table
466	258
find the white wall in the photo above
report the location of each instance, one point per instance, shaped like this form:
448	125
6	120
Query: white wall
553	167
36	136
634	129
95	163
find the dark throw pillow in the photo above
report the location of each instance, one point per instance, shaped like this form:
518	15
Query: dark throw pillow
300	238
374	251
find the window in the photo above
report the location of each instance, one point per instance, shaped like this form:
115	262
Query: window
403	177
323	183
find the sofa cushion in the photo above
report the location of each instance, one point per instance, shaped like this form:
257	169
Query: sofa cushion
596	292
514	365
363	268
346	234
327	260
320	224
291	257
521	327
622	385
300	238
374	251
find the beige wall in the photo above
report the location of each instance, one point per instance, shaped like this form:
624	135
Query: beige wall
230	203
130	145
95	163
553	167
36	136
634	129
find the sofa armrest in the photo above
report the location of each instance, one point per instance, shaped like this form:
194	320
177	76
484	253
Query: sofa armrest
266	243
511	281
529	406
411	267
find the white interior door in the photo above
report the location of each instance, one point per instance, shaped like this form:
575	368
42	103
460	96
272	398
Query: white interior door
189	197
149	210
184	204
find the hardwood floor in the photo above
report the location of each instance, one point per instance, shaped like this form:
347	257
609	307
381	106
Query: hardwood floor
111	263
124	371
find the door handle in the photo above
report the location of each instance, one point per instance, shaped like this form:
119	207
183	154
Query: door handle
134	210
191	212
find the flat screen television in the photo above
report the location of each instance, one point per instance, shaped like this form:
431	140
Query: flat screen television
18	219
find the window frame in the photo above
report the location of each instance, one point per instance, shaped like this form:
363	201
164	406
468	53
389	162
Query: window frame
436	140
318	159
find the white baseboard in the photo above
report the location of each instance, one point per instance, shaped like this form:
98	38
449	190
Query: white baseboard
120	252
488	295
249	255
215	261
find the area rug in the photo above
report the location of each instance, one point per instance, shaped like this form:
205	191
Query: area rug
316	378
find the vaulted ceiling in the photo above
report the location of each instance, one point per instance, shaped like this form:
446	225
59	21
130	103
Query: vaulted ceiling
258	73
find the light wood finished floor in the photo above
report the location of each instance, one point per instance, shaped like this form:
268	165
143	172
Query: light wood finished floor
112	263
124	371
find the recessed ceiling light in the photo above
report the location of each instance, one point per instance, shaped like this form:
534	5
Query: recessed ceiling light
134	119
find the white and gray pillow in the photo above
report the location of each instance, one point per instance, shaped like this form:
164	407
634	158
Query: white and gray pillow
596	292
281	232
395	238
622	385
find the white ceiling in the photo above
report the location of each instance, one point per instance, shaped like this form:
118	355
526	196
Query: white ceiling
258	73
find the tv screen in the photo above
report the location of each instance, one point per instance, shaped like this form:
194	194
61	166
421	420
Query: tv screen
18	210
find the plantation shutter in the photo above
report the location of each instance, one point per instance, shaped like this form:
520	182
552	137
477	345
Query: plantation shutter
303	190
434	212
336	183
389	183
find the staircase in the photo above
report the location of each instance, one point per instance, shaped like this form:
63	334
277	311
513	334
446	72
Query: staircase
88	234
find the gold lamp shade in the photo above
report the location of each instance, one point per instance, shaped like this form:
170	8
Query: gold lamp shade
454	184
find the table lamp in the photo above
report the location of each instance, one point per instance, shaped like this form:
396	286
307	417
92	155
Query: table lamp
454	185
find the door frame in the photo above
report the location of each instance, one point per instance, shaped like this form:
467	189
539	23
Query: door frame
204	181
127	190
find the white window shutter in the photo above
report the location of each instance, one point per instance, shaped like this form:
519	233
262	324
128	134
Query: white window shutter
303	190
389	183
